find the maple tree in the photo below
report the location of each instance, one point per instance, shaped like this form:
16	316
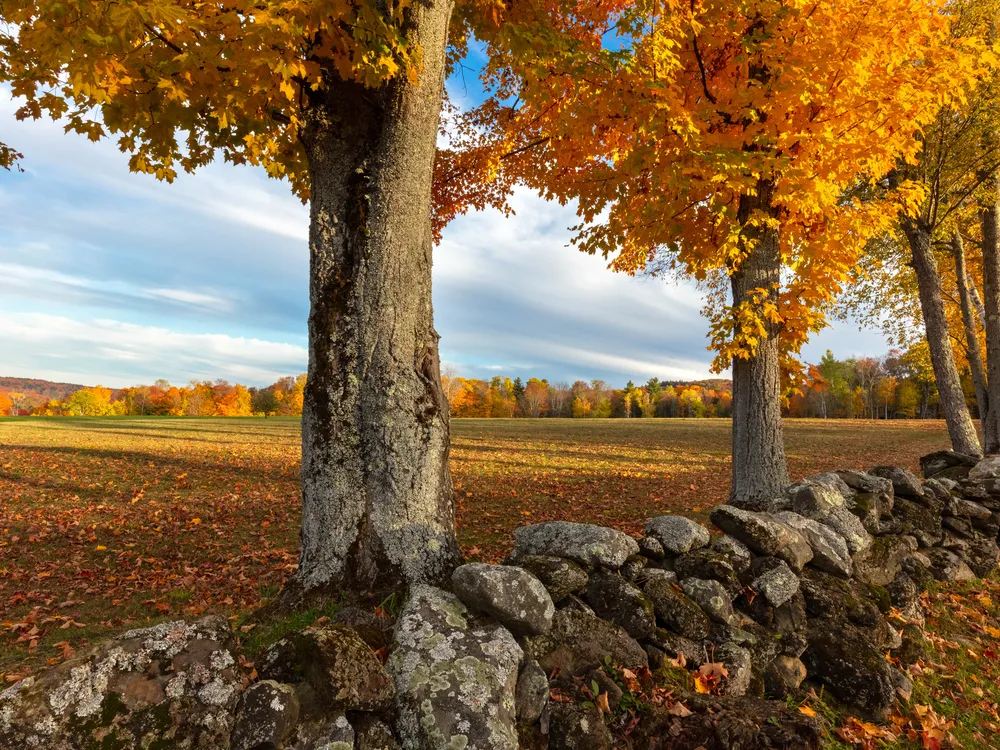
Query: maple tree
732	141
343	100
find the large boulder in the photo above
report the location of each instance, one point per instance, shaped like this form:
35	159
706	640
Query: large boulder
171	685
854	670
764	534
455	674
578	642
882	561
620	602
830	552
678	612
560	576
584	543
677	534
510	595
341	669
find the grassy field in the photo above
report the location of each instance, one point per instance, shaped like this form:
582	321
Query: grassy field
112	522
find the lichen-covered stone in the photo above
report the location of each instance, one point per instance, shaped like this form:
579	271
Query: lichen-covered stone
882	561
372	734
849	527
510	595
818	499
784	675
575	727
560	576
918	521
830	552
947	566
934	463
585	543
633	567
171	685
981	555
904	483
862	482
739	667
455	674
651	548
620	602
532	692
987	468
677	534
677	611
712	597
675	646
854	670
267	715
778	584
764	535
578	642
329	730
736	553
711	565
338	665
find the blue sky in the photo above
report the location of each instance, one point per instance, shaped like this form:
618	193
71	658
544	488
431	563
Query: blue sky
109	277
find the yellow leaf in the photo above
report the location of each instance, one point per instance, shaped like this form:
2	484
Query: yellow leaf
100	548
807	711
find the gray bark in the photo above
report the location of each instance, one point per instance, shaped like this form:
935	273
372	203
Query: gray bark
973	350
989	216
377	506
956	413
759	468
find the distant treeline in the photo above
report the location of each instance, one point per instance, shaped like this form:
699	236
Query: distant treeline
899	385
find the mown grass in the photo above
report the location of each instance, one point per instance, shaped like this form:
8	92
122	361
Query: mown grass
107	523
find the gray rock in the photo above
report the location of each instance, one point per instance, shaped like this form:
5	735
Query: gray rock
677	611
330	731
455	675
987	468
981	555
712	597
267	715
813	500
935	463
510	595
678	534
620	602
651	548
904	483
561	577
584	543
656	574
882	561
947	566
579	642
710	565
739	666
784	675
850	528
778	584
532	692
962	508
176	680
341	669
633	567
830	552
575	727
764	535
737	553
676	646
861	482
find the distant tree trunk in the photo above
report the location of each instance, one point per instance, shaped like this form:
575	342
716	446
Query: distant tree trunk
973	350
759	469
989	217
377	506
960	427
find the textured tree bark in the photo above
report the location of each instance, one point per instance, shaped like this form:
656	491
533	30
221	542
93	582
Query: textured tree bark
989	217
973	350
377	506
960	427
759	468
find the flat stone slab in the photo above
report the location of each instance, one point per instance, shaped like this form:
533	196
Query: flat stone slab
585	543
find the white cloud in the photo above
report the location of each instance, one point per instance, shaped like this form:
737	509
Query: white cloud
55	347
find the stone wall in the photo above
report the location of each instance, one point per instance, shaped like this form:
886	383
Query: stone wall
809	590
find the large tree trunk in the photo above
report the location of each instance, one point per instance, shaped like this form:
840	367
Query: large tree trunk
956	413
759	470
989	217
377	506
973	349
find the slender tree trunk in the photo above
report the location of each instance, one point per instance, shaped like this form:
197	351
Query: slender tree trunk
956	413
973	350
989	217
759	469
377	506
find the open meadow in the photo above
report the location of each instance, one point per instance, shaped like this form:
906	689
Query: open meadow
112	522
